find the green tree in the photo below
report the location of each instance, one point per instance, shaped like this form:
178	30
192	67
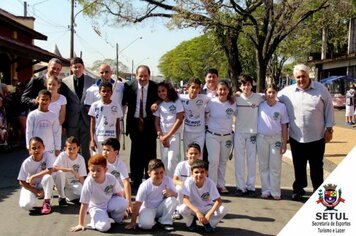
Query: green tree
268	22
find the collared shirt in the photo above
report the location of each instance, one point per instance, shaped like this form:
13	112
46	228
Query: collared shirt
138	97
208	92
310	111
79	85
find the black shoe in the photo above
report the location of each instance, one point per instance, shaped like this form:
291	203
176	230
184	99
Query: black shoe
296	197
62	202
208	228
251	193
239	193
176	216
168	228
193	225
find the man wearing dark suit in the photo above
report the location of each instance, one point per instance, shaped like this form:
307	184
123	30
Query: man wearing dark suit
77	118
140	122
36	84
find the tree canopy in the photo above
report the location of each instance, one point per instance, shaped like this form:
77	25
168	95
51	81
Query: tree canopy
265	22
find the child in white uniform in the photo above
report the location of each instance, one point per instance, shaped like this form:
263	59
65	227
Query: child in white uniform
100	197
220	111
182	172
44	124
271	142
245	137
70	172
168	120
194	114
58	101
105	118
117	167
35	177
155	199
201	199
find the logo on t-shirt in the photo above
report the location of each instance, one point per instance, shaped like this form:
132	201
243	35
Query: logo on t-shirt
115	173
199	103
276	115
75	167
109	189
229	111
205	196
114	109
43	165
172	109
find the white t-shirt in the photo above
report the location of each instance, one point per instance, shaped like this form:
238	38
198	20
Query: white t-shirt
151	195
30	167
203	196
119	170
167	112
98	195
105	116
247	113
182	170
78	165
270	118
93	95
194	112
220	116
55	106
46	126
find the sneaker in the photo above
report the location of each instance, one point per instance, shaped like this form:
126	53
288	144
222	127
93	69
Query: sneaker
222	190
208	228
265	196
176	215
46	208
239	193
168	228
251	193
276	197
296	197
193	225
62	202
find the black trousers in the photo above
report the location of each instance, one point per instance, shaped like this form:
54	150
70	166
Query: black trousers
302	153
143	149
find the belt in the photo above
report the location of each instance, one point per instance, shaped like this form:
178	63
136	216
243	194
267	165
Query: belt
218	134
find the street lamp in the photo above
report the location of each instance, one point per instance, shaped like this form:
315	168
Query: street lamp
117	54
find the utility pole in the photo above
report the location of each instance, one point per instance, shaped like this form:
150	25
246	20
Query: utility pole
25	9
72	29
117	61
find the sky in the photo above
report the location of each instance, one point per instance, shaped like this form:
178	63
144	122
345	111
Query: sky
53	20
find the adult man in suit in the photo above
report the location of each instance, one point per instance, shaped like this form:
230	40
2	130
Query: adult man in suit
77	118
139	95
38	83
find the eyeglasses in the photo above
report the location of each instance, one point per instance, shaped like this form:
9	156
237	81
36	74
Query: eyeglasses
104	72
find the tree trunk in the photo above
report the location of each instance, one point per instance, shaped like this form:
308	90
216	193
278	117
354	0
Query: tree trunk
261	73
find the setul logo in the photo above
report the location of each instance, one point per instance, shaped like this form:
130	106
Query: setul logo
330	198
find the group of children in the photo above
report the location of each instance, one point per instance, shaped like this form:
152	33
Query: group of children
175	187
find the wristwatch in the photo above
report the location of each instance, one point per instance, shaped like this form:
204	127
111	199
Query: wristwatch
330	129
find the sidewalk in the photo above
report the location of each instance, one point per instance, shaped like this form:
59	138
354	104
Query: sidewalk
247	216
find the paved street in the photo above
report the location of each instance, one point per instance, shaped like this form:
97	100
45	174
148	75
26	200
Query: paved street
247	216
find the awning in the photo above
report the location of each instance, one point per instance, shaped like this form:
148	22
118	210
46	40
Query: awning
28	51
330	79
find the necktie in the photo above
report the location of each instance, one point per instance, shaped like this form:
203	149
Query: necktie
140	123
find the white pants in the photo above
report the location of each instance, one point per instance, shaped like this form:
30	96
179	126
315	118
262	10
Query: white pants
189	137
188	214
100	217
170	156
219	148
67	188
245	150
270	162
28	198
163	212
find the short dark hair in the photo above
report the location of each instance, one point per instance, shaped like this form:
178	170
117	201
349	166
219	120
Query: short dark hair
194	145
144	66
44	92
105	84
212	71
198	164
112	142
154	164
76	60
73	140
36	139
272	86
194	80
245	78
